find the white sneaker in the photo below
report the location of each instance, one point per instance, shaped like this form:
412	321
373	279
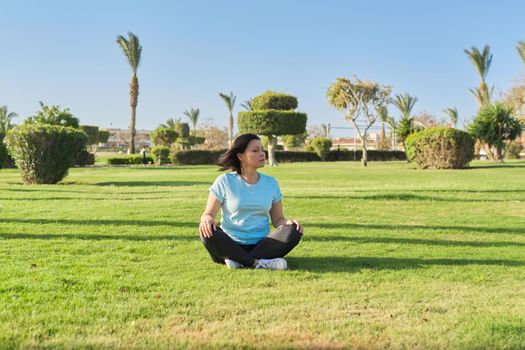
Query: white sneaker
272	264
233	264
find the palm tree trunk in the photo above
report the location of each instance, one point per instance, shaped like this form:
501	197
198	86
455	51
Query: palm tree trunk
133	95
231	129
271	148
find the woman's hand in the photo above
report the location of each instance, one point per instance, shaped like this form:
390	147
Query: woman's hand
207	226
299	227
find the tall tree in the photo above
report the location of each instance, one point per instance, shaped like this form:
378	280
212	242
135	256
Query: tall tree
132	50
521	50
481	61
193	116
453	114
6	120
382	113
170	123
405	103
326	130
359	100
229	100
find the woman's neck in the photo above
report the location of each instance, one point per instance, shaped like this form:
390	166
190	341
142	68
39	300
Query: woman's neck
250	175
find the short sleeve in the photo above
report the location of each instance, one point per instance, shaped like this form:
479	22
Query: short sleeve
218	188
277	195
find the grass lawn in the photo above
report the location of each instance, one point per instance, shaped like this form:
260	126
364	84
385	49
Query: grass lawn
392	257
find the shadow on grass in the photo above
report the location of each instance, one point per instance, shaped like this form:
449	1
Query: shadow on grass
392	240
96	237
468	229
99	222
401	197
506	165
352	264
152	183
100	197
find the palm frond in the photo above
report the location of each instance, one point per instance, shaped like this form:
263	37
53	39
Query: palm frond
481	60
247	105
132	50
453	114
405	103
229	100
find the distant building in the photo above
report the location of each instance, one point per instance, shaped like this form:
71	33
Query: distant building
119	139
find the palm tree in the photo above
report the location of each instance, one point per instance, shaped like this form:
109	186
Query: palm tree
170	123
521	50
247	105
193	115
132	50
229	100
405	103
393	127
382	112
481	61
6	120
453	114
326	130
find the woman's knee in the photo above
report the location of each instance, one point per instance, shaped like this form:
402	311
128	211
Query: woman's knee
293	234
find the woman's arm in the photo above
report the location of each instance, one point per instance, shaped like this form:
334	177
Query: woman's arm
278	219
208	224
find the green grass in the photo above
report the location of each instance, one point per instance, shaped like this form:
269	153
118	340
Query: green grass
391	258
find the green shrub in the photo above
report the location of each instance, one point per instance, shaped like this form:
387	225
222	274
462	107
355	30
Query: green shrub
272	122
296	156
194	157
161	154
3	151
128	160
513	150
183	129
440	148
85	158
321	146
372	155
44	153
163	136
274	100
91	132
196	140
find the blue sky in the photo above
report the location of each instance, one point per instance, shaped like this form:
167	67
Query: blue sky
64	52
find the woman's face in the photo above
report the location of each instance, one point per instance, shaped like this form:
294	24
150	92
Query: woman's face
254	155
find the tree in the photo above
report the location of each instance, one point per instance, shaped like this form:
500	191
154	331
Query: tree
453	114
382	112
247	105
359	100
481	61
521	50
229	100
132	50
493	125
193	116
425	120
326	130
53	115
273	116
163	136
294	141
170	123
6	120
405	103
515	98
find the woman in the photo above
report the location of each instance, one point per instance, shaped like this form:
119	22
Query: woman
246	197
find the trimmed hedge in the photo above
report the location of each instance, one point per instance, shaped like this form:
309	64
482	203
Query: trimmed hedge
163	136
274	100
440	148
128	160
373	155
197	157
85	158
194	157
161	154
44	153
272	122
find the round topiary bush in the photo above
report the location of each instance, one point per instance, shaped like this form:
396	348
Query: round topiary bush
321	146
43	152
274	100
161	154
163	136
440	148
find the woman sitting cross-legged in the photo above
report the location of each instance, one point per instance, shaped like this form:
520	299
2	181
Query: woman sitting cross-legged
247	200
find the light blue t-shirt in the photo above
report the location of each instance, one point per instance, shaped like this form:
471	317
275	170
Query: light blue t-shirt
245	208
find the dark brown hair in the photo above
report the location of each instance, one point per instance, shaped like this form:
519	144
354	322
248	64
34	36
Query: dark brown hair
229	159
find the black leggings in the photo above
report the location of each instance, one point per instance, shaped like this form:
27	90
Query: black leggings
279	243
